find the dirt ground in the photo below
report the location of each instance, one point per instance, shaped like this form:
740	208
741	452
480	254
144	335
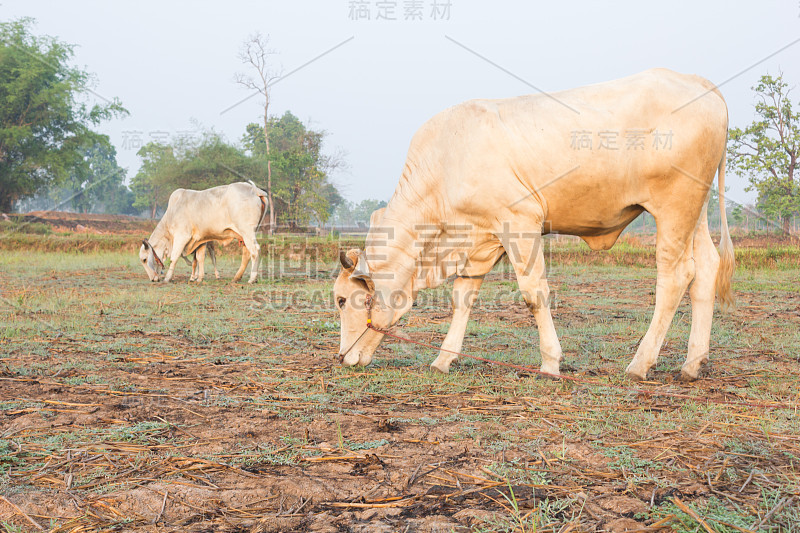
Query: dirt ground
135	406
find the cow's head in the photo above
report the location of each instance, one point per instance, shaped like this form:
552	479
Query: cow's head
350	292
150	261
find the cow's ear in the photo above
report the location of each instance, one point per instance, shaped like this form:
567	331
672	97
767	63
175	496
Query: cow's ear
361	270
145	244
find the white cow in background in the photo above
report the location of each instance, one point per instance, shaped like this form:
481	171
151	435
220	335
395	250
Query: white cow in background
194	218
488	178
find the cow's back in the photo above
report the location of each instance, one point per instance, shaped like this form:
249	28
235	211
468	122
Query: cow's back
494	158
213	210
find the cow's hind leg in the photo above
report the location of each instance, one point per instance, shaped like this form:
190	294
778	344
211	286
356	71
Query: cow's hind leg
193	264
465	292
252	247
702	293
245	259
675	270
200	259
213	255
527	257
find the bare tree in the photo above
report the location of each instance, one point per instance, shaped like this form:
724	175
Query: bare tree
257	54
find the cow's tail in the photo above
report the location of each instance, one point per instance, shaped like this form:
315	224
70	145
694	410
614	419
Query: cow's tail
263	197
727	261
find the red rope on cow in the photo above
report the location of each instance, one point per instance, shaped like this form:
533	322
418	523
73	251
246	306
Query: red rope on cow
741	403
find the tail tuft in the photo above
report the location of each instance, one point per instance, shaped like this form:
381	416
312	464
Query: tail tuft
727	263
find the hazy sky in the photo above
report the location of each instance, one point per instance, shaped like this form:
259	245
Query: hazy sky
172	63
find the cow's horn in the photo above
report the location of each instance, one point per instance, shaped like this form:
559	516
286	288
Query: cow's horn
346	262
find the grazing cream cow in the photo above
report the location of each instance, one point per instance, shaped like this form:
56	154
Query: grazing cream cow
488	178
193	218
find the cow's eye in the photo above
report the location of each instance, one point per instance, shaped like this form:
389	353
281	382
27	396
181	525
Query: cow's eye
340	302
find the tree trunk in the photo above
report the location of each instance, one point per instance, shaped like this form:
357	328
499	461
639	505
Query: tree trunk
272	215
787	228
6	203
153	211
269	169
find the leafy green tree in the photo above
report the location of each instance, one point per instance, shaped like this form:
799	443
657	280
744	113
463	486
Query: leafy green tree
737	215
183	164
120	201
44	124
300	185
95	185
364	209
767	151
151	186
211	162
333	198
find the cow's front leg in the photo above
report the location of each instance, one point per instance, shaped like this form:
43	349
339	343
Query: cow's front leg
178	245
525	252
465	292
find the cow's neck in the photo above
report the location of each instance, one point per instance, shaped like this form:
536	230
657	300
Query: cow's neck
161	240
394	249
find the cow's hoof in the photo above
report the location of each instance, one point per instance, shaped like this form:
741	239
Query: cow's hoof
550	372
635	376
687	375
441	369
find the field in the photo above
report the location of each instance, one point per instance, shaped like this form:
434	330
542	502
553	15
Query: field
126	405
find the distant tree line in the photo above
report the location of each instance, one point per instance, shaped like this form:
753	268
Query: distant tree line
350	214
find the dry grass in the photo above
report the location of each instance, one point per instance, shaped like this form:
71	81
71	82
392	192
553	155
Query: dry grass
218	407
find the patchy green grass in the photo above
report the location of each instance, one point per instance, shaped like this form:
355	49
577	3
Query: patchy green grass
112	385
